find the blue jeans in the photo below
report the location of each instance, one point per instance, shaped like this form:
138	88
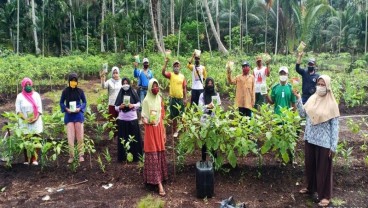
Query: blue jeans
142	95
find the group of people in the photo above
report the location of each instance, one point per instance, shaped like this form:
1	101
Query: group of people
129	108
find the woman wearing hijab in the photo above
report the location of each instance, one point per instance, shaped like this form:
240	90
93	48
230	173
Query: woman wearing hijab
113	86
127	103
28	106
321	137
73	103
207	100
155	166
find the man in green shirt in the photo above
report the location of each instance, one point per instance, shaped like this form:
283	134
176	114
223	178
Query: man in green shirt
282	93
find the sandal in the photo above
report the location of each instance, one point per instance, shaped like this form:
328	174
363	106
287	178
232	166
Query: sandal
304	191
324	203
162	193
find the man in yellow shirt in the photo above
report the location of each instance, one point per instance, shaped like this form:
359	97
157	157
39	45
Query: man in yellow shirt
199	74
178	92
245	92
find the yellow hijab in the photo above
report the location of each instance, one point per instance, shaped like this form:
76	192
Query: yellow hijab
322	108
151	102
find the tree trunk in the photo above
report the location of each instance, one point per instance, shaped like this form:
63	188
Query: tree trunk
113	14
87	30
17	27
159	24
221	47
34	26
366	25
181	15
102	27
265	42
205	26
230	1
154	29
241	25
172	14
70	26
277	26
198	45
217	17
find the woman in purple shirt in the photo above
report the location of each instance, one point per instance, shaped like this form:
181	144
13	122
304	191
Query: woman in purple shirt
127	103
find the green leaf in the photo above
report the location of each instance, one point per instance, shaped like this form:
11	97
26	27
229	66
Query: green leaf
130	157
232	158
266	147
268	135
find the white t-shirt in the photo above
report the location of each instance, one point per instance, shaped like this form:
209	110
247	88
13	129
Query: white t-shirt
196	81
113	87
25	107
259	78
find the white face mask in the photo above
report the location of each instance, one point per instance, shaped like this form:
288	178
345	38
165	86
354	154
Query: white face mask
126	87
283	78
176	70
321	91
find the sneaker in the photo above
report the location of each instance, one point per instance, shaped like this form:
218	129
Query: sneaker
26	163
70	160
176	134
81	159
35	163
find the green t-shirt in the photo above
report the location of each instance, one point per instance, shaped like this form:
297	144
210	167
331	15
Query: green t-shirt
282	96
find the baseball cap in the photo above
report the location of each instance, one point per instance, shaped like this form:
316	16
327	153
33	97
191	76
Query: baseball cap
245	63
145	60
176	62
311	61
258	58
284	68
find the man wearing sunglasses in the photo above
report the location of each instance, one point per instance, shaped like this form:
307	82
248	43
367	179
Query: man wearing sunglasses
309	77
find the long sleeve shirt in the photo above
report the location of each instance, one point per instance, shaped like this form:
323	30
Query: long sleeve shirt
22	105
325	134
309	81
129	115
143	76
74	117
113	87
245	90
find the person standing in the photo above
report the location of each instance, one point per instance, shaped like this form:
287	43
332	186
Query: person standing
143	76
153	112
73	103
28	106
309	77
113	86
321	137
282	93
199	74
260	73
245	89
178	93
127	103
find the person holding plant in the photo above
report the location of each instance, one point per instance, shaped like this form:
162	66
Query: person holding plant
28	106
207	101
178	93
199	74
127	103
153	113
245	91
143	76
282	93
73	104
321	137
309	77
260	73
113	86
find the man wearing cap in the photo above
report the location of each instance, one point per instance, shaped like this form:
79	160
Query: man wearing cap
199	74
309	77
282	93
245	92
143	77
178	92
260	73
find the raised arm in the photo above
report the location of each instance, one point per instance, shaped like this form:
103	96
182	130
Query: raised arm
230	79
297	66
164	73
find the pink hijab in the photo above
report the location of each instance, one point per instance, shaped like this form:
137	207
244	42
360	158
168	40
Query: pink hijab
28	95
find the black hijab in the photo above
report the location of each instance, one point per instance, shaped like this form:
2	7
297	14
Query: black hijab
130	92
72	94
209	91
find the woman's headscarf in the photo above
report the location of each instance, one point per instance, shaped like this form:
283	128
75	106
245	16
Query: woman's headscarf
130	92
151	102
209	91
322	108
115	68
72	94
28	95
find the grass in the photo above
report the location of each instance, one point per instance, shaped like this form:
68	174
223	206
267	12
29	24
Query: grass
338	202
150	202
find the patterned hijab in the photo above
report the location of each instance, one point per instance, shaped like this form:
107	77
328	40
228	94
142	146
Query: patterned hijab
28	95
322	108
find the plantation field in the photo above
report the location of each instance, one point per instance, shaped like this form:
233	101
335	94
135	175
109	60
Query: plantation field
271	183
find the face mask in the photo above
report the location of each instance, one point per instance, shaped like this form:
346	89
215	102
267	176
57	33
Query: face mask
155	90
310	68
321	91
125	87
283	78
28	88
196	63
210	88
176	70
145	66
246	70
73	84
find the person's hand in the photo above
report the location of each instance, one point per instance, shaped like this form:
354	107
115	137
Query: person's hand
300	54
331	154
135	64
145	120
210	106
122	106
166	60
102	74
77	110
130	106
296	93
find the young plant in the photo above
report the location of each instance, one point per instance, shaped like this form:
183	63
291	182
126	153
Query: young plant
126	145
107	155
101	163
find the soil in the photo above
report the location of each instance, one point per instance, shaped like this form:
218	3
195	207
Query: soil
271	185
